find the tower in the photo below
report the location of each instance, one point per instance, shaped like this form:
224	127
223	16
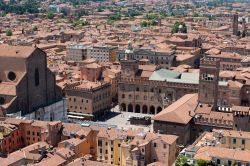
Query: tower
208	81
235	24
244	25
129	65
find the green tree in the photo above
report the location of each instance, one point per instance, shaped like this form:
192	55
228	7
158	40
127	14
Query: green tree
181	161
154	23
35	28
238	34
50	15
115	17
9	32
243	34
151	16
80	23
179	27
201	163
29	6
144	24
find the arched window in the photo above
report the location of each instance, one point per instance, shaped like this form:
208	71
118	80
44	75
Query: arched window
37	81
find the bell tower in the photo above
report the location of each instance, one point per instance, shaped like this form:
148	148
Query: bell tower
208	81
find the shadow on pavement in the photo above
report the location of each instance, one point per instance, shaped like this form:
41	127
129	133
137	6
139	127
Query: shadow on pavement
109	115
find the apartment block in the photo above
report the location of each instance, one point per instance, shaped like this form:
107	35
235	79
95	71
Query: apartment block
88	99
102	53
135	148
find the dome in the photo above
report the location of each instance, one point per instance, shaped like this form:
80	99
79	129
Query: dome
180	26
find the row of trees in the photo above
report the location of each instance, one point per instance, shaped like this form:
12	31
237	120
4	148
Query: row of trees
149	23
80	23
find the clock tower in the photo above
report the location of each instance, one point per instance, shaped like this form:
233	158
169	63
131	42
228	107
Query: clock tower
129	65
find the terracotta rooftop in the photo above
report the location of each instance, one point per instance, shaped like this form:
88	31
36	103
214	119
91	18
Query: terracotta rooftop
16	51
92	66
179	111
82	161
208	153
233	133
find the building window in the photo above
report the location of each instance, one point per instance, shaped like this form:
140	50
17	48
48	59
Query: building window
37	81
243	142
100	150
123	96
11	76
130	96
99	142
119	145
106	151
112	149
2	100
28	132
234	140
164	146
154	144
137	89
33	133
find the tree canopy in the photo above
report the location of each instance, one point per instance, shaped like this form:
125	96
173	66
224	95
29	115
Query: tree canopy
50	15
179	27
9	33
29	6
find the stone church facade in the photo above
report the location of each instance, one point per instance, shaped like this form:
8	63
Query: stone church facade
26	82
